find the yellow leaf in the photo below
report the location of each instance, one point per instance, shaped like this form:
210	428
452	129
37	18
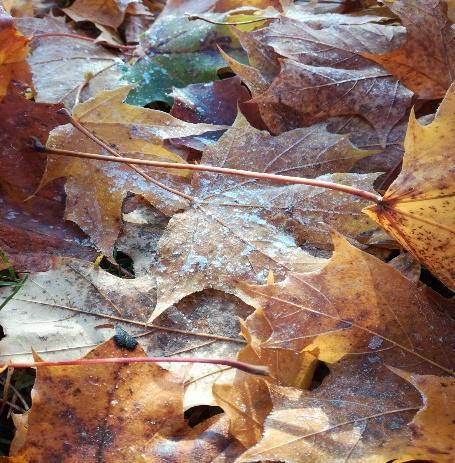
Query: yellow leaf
433	426
418	209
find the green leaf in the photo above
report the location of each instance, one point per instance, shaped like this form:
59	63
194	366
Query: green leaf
179	52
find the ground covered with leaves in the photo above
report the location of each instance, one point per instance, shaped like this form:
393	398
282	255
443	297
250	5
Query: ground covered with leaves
285	199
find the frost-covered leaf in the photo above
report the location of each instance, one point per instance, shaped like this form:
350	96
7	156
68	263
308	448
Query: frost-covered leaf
179	52
358	305
303	94
235	229
61	64
135	132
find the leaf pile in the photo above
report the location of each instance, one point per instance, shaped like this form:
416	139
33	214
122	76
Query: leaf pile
346	298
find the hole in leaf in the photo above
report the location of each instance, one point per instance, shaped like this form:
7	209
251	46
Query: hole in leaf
200	413
320	373
2	333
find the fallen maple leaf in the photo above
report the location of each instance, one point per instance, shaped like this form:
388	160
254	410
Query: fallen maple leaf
235	228
319	41
64	310
418	209
133	130
357	304
60	65
118	408
32	231
351	418
304	94
13	50
426	62
246	400
432	427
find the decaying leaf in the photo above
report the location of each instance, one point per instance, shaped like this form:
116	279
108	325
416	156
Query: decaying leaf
418	209
319	41
178	52
426	62
119	410
303	94
32	231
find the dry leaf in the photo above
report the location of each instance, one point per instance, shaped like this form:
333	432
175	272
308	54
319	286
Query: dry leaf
418	209
118	409
61	64
426	62
320	41
235	230
134	131
357	304
247	399
303	94
354	416
59	312
432	427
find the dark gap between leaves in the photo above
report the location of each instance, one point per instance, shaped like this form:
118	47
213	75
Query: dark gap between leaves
200	413
320	373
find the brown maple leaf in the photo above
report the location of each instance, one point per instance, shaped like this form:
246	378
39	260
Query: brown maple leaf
235	228
118	408
357	304
304	94
352	416
426	62
96	189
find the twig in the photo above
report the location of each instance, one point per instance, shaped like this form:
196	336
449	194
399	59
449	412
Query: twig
101	143
82	37
222	170
246	367
193	17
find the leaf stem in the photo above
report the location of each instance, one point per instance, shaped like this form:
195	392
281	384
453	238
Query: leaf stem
222	170
102	144
246	367
193	17
82	37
